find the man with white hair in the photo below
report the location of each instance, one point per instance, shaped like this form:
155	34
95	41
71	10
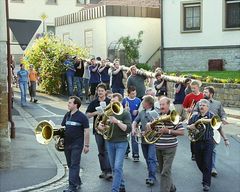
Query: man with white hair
203	147
166	145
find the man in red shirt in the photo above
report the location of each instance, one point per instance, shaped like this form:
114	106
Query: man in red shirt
189	102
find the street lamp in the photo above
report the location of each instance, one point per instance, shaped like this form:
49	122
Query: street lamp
43	18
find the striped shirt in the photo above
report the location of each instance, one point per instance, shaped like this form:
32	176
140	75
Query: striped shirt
168	140
208	135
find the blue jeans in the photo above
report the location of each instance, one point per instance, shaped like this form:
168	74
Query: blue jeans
116	153
73	157
23	88
103	154
214	156
135	149
203	155
118	90
86	87
70	83
149	153
79	82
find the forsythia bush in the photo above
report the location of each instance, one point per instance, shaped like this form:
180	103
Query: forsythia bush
48	55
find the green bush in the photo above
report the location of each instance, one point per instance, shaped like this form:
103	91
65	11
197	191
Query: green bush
48	54
144	66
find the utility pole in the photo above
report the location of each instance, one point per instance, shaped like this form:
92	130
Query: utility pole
4	91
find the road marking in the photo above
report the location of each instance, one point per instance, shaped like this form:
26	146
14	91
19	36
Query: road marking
48	116
54	114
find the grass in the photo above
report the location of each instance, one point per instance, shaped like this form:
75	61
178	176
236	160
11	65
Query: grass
213	76
216	74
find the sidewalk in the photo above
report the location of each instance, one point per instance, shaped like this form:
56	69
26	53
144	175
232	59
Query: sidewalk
32	165
232	112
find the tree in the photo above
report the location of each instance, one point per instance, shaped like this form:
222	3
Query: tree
131	47
47	55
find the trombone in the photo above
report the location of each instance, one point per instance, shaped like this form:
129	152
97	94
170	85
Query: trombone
154	134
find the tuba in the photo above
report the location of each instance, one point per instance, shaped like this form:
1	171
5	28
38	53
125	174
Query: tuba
115	108
153	135
200	127
46	131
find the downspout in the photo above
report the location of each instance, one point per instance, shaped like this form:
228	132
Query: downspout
9	77
162	35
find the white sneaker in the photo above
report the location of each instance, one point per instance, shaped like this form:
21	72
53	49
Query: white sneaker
214	172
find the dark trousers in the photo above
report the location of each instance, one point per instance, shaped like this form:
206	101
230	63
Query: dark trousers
203	154
192	148
118	90
103	154
73	157
32	89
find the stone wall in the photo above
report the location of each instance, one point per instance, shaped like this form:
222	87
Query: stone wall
196	59
228	94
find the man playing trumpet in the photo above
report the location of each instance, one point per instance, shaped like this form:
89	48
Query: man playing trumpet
203	147
166	145
117	144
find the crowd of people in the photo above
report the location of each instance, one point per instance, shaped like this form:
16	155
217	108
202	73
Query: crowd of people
141	107
144	99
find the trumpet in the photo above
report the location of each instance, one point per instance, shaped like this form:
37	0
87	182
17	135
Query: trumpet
200	127
112	108
46	131
154	134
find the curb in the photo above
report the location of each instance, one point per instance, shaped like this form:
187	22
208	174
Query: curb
233	116
61	169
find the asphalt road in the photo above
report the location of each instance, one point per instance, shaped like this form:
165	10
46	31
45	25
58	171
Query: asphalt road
186	175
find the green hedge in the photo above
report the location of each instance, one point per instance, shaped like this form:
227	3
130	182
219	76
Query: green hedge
48	54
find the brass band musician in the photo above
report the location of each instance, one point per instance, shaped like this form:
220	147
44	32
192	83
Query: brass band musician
166	146
203	147
117	144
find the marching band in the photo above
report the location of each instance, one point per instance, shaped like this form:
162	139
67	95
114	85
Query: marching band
153	128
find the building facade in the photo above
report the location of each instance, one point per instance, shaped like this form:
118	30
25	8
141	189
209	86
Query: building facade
197	33
99	28
44	10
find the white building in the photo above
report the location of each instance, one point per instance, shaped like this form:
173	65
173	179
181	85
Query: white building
35	9
196	31
98	28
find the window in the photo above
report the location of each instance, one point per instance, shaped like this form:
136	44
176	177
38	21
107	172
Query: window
191	14
51	29
66	37
81	2
88	37
51	2
232	14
